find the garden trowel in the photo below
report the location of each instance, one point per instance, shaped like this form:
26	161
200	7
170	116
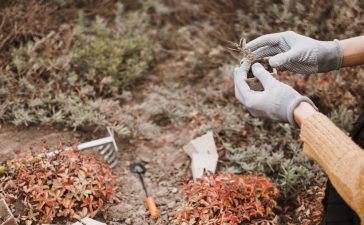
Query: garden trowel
140	170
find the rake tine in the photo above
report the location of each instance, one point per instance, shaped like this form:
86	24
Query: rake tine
107	147
108	154
112	157
104	149
112	165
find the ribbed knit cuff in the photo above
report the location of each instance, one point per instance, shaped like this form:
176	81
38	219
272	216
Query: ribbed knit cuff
329	56
293	106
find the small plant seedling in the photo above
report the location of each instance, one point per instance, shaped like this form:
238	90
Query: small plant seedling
253	82
240	47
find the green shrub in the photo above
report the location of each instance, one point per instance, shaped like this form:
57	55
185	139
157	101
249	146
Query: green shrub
116	58
289	168
62	77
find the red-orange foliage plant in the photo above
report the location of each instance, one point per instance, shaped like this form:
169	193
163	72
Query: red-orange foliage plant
228	199
68	185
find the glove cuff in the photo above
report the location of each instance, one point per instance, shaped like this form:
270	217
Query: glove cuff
329	56
293	106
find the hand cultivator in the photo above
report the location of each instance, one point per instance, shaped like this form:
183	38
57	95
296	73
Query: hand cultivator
106	146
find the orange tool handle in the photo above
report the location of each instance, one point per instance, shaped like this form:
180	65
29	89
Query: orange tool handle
153	210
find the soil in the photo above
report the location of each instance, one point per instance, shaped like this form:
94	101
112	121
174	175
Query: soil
252	81
265	64
166	165
17	139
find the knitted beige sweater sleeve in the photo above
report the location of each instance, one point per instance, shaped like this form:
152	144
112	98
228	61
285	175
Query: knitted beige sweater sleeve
339	156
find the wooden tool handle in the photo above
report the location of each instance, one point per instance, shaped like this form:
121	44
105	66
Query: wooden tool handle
153	210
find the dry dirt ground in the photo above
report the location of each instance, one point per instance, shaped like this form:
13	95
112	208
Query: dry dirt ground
164	159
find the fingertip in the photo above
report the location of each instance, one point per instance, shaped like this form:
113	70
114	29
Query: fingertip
273	62
262	74
256	67
249	45
240	73
245	63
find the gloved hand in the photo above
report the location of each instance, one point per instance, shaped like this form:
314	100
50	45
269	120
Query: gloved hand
297	53
276	102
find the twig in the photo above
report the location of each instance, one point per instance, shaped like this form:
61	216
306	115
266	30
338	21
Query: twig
242	49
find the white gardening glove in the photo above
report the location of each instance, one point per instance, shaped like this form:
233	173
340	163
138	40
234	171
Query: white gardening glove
300	54
276	102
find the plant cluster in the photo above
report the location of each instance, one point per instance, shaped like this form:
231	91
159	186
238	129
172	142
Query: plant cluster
31	20
228	199
66	76
67	186
289	168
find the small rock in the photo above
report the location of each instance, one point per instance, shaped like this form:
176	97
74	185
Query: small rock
163	183
89	221
174	190
114	223
171	204
141	211
163	218
162	191
119	212
178	198
139	221
171	214
145	158
128	221
148	174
